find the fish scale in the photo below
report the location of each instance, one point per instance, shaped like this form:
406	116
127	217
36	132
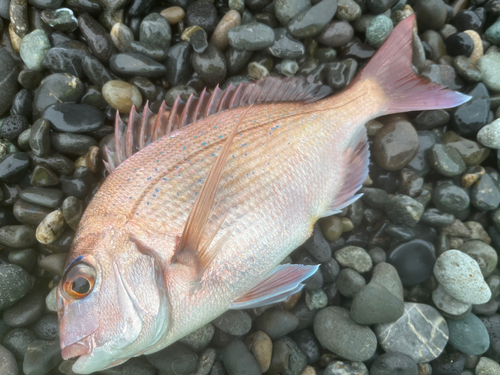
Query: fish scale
198	221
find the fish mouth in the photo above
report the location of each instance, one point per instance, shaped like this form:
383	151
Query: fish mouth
79	348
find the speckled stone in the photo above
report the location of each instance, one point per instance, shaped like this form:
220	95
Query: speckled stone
421	333
34	46
489	65
461	277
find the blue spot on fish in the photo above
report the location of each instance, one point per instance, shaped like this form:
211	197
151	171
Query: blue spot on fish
204	144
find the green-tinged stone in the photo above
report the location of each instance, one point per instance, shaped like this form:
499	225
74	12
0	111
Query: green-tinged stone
469	335
33	49
492	34
472	152
446	160
489	65
312	21
60	19
378	30
44	176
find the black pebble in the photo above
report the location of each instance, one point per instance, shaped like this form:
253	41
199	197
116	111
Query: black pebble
459	44
467	20
203	14
13	126
470	117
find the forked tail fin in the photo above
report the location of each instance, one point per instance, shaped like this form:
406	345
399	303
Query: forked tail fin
405	91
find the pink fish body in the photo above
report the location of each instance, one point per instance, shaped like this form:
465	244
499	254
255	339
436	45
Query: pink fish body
199	221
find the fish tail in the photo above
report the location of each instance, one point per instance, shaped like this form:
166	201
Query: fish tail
403	90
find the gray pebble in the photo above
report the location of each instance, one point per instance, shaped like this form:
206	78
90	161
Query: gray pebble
234	322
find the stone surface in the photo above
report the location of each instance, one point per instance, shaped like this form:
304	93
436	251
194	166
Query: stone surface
421	333
469	335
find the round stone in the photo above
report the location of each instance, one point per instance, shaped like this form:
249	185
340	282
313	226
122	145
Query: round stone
8	363
97	38
276	323
349	282
136	65
337	332
489	65
394	363
470	117
461	277
483	254
375	304
219	38
489	135
487	366
421	333
34	46
234	322
173	15
121	95
251	37
450	198
312	21
336	34
469	335
446	160
238	359
354	257
174	359
472	152
447	303
414	261
155	31
15	283
57	88
41	356
459	44
403	209
378	30
25	312
202	13
210	65
286	10
395	145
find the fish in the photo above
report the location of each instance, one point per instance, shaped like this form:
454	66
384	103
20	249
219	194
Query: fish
206	200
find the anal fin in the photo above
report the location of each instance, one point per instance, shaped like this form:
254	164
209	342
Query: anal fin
281	283
356	167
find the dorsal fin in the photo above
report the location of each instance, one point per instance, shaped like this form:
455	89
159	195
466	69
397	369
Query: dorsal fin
147	128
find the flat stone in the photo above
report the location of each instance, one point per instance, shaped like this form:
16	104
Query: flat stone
469	335
421	333
354	257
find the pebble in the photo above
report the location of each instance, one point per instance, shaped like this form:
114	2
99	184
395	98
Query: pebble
313	20
122	36
347	368
307	343
469	335
173	15
450	198
74	118
17	341
447	303
51	227
337	332
13	126
41	356
45	197
446	160
394	363
210	65
155	31
276	323
461	277
404	210
261	347
237	359
489	135
421	333
378	30
219	38
472	152
176	359
348	10
202	13
8	364
198	41
44	176
134	64
121	95
234	322
459	44
336	34
492	33
470	117
96	71
349	282
354	257
25	258
449	364
17	236
16	283
435	218
8	80
26	311
395	145
376	304
250	37
98	39
483	254
466	69
57	88
33	48
414	261
60	19
285	46
487	366
297	360
178	64
286	10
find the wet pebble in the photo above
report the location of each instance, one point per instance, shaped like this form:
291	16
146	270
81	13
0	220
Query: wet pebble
313	20
17	236
404	210
51	227
470	117
237	359
219	38
446	160
489	65
250	37
44	176
17	341
210	65
13	126
155	31
134	64
336	34
34	46
56	89
98	39
121	95
285	46
378	30
261	347
202	13
45	197
459	44
354	257
450	198
15	283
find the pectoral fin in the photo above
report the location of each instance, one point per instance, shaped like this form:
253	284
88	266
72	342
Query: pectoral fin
281	283
191	239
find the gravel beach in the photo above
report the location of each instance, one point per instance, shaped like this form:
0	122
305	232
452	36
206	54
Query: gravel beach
409	282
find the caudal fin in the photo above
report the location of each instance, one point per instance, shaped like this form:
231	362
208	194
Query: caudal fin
405	91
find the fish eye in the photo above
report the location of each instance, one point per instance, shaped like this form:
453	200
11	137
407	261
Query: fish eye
78	281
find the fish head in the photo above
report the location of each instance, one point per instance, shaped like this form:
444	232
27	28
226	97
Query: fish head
112	303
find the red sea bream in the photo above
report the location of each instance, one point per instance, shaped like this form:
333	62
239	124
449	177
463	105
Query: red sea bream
198	221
